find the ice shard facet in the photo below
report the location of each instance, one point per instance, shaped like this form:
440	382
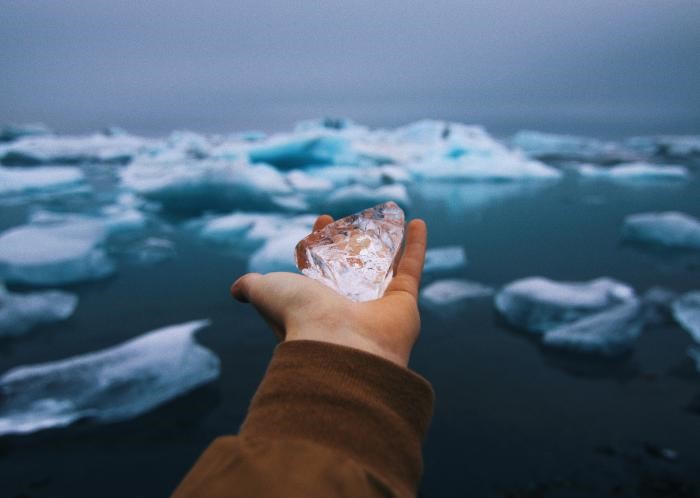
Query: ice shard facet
356	255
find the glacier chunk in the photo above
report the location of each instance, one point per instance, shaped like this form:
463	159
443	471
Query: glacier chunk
110	385
19	313
354	197
538	304
444	258
13	132
15	181
451	291
552	146
670	229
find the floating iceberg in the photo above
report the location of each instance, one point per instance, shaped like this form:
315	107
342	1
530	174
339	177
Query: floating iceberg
444	258
552	146
538	304
10	133
667	146
15	181
635	172
96	148
113	384
20	313
671	229
451	291
299	151
686	311
608	333
197	186
277	254
498	167
354	198
373	177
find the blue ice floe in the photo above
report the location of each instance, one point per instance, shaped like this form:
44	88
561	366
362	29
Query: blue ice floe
447	292
569	147
110	385
537	304
299	151
48	179
670	229
635	172
21	312
444	258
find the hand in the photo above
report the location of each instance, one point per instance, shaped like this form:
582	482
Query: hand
299	308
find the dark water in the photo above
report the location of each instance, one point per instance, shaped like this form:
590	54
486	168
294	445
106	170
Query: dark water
511	419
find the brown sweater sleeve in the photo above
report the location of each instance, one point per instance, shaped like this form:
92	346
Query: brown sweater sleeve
326	421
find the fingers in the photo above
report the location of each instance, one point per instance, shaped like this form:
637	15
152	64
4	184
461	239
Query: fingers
241	288
322	221
408	273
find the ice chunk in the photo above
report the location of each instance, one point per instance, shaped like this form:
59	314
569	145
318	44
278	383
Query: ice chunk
299	151
113	384
369	176
355	197
608	333
670	228
96	148
686	311
444	258
497	167
538	304
569	147
10	133
277	254
356	256
635	172
20	313
680	146
450	291
207	185
303	182
15	181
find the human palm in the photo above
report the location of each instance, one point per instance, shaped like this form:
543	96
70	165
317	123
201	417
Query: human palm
299	308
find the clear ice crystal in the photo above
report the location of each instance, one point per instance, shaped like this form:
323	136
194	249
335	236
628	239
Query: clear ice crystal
356	255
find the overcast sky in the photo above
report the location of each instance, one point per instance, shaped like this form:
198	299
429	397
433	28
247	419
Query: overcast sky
150	66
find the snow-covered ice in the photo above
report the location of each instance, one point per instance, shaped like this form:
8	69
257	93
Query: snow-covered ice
113	384
670	228
608	333
14	181
635	172
537	304
20	312
451	291
686	311
444	258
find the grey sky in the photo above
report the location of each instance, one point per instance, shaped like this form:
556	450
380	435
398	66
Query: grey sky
151	66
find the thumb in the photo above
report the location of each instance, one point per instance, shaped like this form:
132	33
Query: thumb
242	288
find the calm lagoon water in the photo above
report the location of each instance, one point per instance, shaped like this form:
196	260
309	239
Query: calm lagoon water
511	418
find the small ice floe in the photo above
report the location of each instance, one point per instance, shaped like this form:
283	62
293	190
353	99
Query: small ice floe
686	311
354	198
635	172
451	291
11	132
569	147
150	251
110	385
502	166
61	248
372	177
537	304
198	186
609	333
298	151
301	181
20	313
277	253
444	258
679	146
47	179
54	149
670	229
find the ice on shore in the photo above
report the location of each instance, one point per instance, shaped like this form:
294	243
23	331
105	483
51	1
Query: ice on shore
19	313
609	333
14	181
12	132
110	385
444	258
635	172
450	291
538	304
569	147
686	311
95	148
670	229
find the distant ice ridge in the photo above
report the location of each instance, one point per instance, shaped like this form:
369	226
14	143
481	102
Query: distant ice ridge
14	181
444	258
670	229
19	313
450	291
59	248
569	147
635	172
110	385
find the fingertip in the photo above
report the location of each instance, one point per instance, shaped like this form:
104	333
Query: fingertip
240	289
